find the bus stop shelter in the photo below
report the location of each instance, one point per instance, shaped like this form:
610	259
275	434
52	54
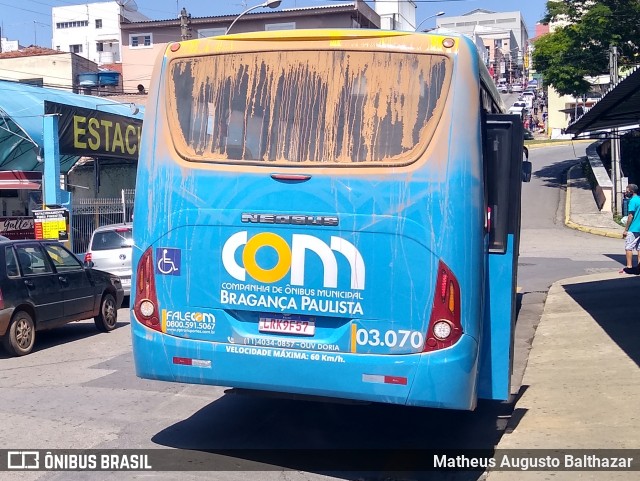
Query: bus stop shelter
618	109
22	113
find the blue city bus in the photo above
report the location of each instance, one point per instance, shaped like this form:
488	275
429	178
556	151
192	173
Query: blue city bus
332	213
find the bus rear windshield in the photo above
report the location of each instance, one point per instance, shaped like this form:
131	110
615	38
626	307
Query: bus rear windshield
317	107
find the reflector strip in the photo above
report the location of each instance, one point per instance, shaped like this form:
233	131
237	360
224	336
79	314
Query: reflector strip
187	361
354	343
377	378
163	328
452	300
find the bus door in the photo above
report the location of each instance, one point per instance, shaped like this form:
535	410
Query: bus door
505	171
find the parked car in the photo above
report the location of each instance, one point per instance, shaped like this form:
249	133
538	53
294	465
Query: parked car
43	285
528	101
110	251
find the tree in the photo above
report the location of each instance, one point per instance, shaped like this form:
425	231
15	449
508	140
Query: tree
581	47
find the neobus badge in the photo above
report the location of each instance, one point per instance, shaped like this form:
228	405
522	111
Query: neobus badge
322	220
291	258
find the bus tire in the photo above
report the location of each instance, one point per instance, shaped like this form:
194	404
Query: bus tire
107	317
20	336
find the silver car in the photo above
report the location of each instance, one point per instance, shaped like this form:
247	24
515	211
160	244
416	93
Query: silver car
110	251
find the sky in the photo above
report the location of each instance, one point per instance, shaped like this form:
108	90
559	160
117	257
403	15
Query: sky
29	21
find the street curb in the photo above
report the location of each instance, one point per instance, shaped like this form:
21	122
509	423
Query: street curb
552	143
572	225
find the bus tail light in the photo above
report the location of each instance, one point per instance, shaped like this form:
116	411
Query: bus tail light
146	306
445	327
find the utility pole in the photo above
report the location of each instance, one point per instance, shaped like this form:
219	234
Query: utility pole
185	22
616	173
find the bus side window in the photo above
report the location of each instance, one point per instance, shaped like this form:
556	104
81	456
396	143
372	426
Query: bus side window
503	154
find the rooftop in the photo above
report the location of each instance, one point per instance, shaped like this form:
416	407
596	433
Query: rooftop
30	51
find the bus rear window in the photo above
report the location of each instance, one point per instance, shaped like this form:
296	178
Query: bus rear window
316	107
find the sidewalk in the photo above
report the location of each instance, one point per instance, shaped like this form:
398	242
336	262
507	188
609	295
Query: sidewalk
581	387
581	211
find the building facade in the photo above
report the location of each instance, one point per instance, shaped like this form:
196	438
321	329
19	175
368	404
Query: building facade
143	42
44	67
505	37
7	45
396	15
92	30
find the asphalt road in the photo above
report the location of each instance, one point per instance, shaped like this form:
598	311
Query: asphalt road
78	388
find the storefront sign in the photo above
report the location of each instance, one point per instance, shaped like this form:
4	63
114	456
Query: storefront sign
51	224
16	228
95	133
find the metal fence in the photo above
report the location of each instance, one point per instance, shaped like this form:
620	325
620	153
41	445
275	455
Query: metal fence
89	214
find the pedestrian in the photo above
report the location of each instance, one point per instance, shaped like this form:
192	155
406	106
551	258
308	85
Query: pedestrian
631	232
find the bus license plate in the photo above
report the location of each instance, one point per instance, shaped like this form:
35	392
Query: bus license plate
301	327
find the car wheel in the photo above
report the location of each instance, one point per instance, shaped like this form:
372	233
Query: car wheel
21	335
108	316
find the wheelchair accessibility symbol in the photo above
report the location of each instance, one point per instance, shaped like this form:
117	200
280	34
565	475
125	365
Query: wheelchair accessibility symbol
168	261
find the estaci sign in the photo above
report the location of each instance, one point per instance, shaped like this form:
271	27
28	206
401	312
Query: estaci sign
95	133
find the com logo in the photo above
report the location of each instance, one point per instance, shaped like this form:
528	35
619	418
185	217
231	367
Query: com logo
291	258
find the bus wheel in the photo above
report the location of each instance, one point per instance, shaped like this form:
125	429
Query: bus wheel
108	316
20	336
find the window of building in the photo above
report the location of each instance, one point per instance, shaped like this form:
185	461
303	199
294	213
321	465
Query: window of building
77	48
98	23
140	40
80	23
280	26
505	20
211	32
99	47
486	22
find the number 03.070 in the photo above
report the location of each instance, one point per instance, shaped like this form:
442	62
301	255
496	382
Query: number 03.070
400	338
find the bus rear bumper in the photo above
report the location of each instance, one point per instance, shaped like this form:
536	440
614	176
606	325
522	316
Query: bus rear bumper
442	379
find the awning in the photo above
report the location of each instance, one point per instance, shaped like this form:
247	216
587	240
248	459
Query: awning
21	123
13	179
619	107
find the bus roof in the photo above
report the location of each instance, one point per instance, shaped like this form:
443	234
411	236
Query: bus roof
329	34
